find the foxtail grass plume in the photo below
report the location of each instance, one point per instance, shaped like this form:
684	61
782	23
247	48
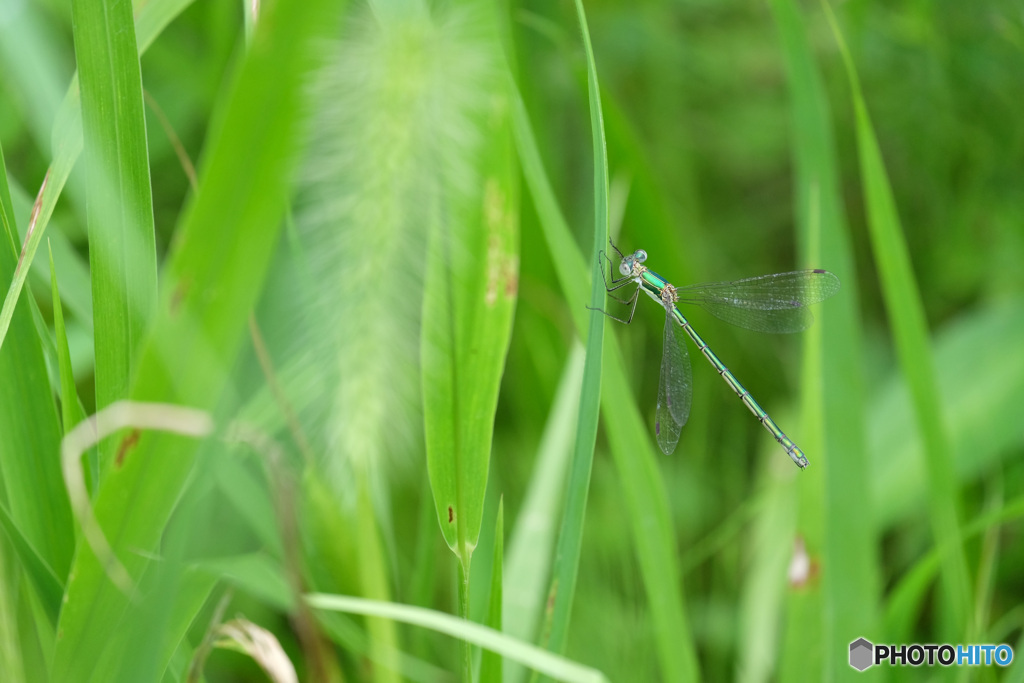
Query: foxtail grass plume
393	141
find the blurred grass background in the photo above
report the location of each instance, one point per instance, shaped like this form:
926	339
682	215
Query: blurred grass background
734	149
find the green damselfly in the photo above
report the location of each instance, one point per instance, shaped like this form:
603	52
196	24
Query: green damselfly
769	303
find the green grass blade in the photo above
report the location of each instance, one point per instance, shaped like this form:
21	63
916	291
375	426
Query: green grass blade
257	574
6	207
467	324
907	596
545	662
42	209
766	588
248	495
570	537
122	244
374	579
913	347
532	543
74	270
982	416
629	438
71	409
32	62
569	264
154	16
836	526
28	421
148	639
214	276
983	426
48	587
330	535
490	661
440	411
468	301
67	145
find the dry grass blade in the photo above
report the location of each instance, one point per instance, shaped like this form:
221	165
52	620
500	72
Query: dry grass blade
92	430
257	642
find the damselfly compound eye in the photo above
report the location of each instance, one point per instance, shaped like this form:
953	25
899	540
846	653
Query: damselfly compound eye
626	267
640	255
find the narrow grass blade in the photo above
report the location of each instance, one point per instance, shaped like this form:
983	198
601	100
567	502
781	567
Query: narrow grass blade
468	300
990	552
214	276
913	347
71	407
570	267
29	422
13	654
6	208
767	600
833	521
490	661
908	595
43	207
153	16
248	494
528	566
330	537
74	270
33	64
469	297
122	243
440	411
151	636
258	574
175	593
542	661
374	580
570	538
67	145
629	438
982	416
47	586
983	426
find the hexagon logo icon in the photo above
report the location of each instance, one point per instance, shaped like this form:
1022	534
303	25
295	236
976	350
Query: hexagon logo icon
860	654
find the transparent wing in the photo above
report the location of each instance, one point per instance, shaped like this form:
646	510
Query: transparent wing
675	388
769	303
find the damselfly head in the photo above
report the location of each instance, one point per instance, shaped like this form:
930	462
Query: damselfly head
629	263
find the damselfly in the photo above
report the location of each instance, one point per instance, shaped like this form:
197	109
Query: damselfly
769	303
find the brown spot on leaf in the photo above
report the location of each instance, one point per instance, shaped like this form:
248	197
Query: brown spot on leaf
511	276
180	290
451	514
126	444
552	594
37	208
